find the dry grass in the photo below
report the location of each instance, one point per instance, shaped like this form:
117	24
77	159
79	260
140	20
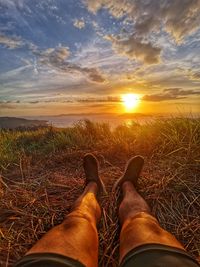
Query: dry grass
42	175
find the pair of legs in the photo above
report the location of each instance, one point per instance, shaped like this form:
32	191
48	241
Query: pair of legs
77	236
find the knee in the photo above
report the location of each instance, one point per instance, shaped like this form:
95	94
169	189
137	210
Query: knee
142	221
78	225
143	228
78	219
144	217
147	225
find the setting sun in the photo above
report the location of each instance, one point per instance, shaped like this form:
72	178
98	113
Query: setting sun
130	101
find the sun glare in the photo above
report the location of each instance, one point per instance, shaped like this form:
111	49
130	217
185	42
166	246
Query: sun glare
130	101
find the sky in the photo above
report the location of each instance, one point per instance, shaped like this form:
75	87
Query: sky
82	56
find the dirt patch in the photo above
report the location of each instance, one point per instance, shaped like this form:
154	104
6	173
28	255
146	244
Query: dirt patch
36	195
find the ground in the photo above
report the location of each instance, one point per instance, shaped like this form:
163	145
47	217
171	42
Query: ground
37	190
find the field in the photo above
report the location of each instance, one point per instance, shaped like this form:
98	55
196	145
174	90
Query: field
41	175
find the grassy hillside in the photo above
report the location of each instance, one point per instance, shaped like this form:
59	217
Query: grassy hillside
13	123
41	176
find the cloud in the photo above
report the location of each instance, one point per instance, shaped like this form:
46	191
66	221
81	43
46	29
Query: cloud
72	99
9	101
54	56
135	48
108	99
57	58
180	92
177	17
93	73
160	97
80	24
34	102
146	19
66	99
94	6
170	94
10	42
11	3
195	76
9	104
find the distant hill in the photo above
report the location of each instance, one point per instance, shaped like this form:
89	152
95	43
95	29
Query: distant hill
134	115
104	114
14	123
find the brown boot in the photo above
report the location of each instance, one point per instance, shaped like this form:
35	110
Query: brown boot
132	172
90	165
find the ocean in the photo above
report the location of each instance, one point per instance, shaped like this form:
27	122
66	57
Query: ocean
113	120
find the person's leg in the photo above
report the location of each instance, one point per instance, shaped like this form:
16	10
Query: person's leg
139	226
77	236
